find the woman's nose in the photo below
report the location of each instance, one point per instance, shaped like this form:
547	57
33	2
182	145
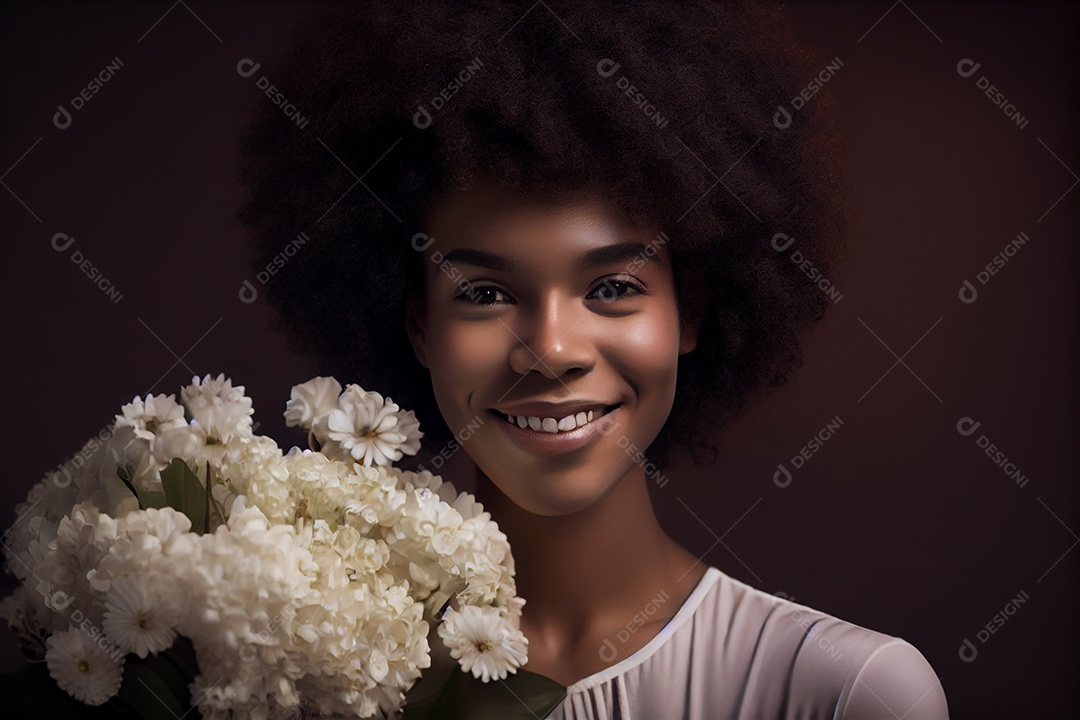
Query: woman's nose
552	339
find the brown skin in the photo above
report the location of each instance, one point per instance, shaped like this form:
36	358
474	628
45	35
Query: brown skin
588	550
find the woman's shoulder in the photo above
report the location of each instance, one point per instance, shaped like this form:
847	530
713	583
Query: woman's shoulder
811	663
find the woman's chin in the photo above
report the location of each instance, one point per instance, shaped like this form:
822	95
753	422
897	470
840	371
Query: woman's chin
554	497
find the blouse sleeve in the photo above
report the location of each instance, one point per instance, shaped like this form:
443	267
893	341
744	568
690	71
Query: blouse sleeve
896	681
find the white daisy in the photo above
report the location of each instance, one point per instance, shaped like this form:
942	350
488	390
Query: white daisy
82	668
371	430
137	619
483	641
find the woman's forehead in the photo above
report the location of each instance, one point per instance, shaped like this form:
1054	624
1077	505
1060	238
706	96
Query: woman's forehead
503	230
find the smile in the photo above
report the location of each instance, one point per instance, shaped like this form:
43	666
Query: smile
546	442
553	426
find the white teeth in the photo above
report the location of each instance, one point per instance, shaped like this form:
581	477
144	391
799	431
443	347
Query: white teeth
551	425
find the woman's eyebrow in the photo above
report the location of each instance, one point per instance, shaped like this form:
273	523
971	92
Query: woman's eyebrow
606	255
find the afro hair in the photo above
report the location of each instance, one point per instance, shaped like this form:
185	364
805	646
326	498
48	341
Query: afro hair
665	107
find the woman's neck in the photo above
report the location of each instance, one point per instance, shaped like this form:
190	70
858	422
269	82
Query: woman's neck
587	574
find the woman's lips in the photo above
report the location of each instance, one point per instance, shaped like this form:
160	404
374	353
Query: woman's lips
545	443
578	418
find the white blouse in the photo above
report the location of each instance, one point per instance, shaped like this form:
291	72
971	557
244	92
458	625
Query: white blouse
733	651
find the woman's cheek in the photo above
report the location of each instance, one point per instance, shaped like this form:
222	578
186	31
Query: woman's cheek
466	355
638	351
477	347
652	373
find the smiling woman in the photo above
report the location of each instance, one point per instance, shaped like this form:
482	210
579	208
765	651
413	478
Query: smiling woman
584	300
552	331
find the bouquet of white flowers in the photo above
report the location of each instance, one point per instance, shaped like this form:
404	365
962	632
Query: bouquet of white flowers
180	560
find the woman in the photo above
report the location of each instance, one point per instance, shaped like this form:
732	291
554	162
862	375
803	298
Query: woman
550	231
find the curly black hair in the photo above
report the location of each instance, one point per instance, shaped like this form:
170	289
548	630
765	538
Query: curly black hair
669	108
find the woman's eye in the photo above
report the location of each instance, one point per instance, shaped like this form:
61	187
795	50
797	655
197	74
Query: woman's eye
478	294
612	289
607	291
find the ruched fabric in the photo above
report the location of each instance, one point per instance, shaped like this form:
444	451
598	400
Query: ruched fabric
733	652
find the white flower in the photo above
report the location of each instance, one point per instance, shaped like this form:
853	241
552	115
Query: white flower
254	466
173	442
82	539
371	430
321	590
239	578
325	488
218	409
27	617
144	538
96	477
138	618
81	666
311	400
483	641
409	480
152	415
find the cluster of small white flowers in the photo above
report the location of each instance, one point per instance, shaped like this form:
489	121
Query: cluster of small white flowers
319	587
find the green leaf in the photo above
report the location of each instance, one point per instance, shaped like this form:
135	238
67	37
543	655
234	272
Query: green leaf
182	654
425	691
153	499
146	498
215	513
173	676
155	689
125	473
522	695
185	493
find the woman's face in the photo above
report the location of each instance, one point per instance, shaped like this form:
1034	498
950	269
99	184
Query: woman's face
548	312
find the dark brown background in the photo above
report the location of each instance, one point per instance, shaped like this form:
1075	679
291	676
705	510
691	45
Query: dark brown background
898	523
